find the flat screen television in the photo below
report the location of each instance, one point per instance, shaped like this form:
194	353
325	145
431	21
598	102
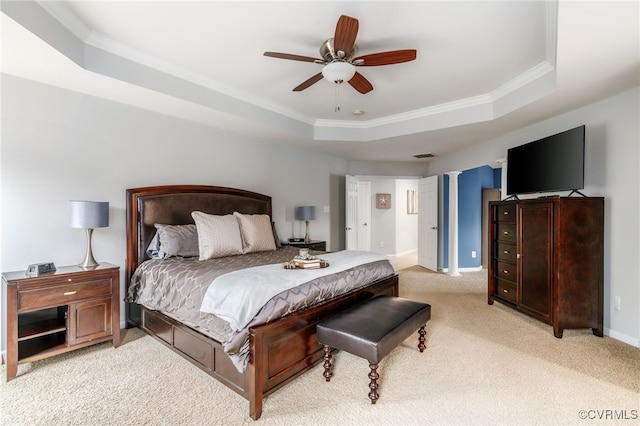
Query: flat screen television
554	163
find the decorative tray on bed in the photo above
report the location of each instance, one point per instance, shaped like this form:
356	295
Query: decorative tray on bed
307	262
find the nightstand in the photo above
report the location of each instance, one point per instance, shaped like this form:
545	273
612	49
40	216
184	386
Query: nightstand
61	311
312	245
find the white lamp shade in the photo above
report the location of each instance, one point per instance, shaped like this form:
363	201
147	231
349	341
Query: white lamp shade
306	213
338	72
89	214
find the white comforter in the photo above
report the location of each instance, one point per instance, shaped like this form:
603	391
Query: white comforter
238	296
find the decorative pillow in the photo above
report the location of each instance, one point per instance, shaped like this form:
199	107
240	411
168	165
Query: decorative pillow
173	240
257	233
218	235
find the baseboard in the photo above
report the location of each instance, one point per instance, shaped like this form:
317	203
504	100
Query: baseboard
473	269
404	253
622	337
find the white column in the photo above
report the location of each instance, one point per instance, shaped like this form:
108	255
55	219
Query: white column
453	223
503	183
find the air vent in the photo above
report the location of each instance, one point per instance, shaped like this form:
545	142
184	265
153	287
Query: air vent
426	155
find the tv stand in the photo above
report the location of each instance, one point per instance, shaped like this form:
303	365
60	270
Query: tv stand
577	192
513	196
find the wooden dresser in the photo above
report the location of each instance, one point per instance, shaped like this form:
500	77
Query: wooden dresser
58	312
547	260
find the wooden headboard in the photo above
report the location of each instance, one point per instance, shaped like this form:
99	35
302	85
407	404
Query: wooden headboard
173	204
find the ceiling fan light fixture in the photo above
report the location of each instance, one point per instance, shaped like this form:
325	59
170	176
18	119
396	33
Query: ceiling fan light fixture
338	72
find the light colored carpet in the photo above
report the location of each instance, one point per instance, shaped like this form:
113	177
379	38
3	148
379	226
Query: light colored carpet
483	365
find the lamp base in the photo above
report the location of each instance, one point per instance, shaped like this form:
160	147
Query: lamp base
89	261
307	240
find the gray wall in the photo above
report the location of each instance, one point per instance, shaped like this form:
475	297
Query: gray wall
612	170
59	145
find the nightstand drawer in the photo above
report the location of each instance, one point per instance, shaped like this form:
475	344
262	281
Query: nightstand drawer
312	245
51	296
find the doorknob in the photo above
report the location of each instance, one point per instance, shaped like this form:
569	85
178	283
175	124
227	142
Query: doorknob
347	228
434	227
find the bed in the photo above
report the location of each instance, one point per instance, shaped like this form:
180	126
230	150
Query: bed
277	351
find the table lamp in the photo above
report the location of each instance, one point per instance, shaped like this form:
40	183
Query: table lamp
89	215
306	213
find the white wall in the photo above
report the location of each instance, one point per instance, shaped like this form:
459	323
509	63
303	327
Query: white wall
59	146
612	170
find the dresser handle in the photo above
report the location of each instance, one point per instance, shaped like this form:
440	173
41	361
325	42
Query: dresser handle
506	232
506	272
69	293
506	252
505	212
505	291
69	279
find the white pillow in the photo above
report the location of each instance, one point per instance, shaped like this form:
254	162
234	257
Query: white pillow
218	236
257	233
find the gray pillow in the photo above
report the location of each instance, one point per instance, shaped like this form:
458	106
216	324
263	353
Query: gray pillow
174	240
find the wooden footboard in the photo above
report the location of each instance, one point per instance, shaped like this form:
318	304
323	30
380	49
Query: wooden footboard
280	351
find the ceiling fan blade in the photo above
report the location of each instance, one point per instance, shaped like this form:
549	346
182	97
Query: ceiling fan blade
292	57
385	58
345	35
360	83
316	78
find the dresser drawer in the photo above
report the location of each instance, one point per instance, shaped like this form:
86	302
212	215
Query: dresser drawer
506	290
506	271
506	213
506	232
506	252
57	295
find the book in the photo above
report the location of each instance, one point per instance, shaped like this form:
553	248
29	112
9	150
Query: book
307	263
314	260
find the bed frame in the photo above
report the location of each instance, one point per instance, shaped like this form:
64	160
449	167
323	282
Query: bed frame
281	350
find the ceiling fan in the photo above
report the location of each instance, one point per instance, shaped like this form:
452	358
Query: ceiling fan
340	61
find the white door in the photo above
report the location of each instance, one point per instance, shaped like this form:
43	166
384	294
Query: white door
357	214
428	223
364	216
351	212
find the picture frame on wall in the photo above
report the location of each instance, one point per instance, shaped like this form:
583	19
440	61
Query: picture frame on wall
412	201
383	201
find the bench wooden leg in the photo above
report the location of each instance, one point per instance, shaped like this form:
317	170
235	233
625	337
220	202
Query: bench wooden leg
421	339
327	363
373	385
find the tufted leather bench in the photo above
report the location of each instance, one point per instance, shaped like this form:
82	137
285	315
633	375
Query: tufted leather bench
371	330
